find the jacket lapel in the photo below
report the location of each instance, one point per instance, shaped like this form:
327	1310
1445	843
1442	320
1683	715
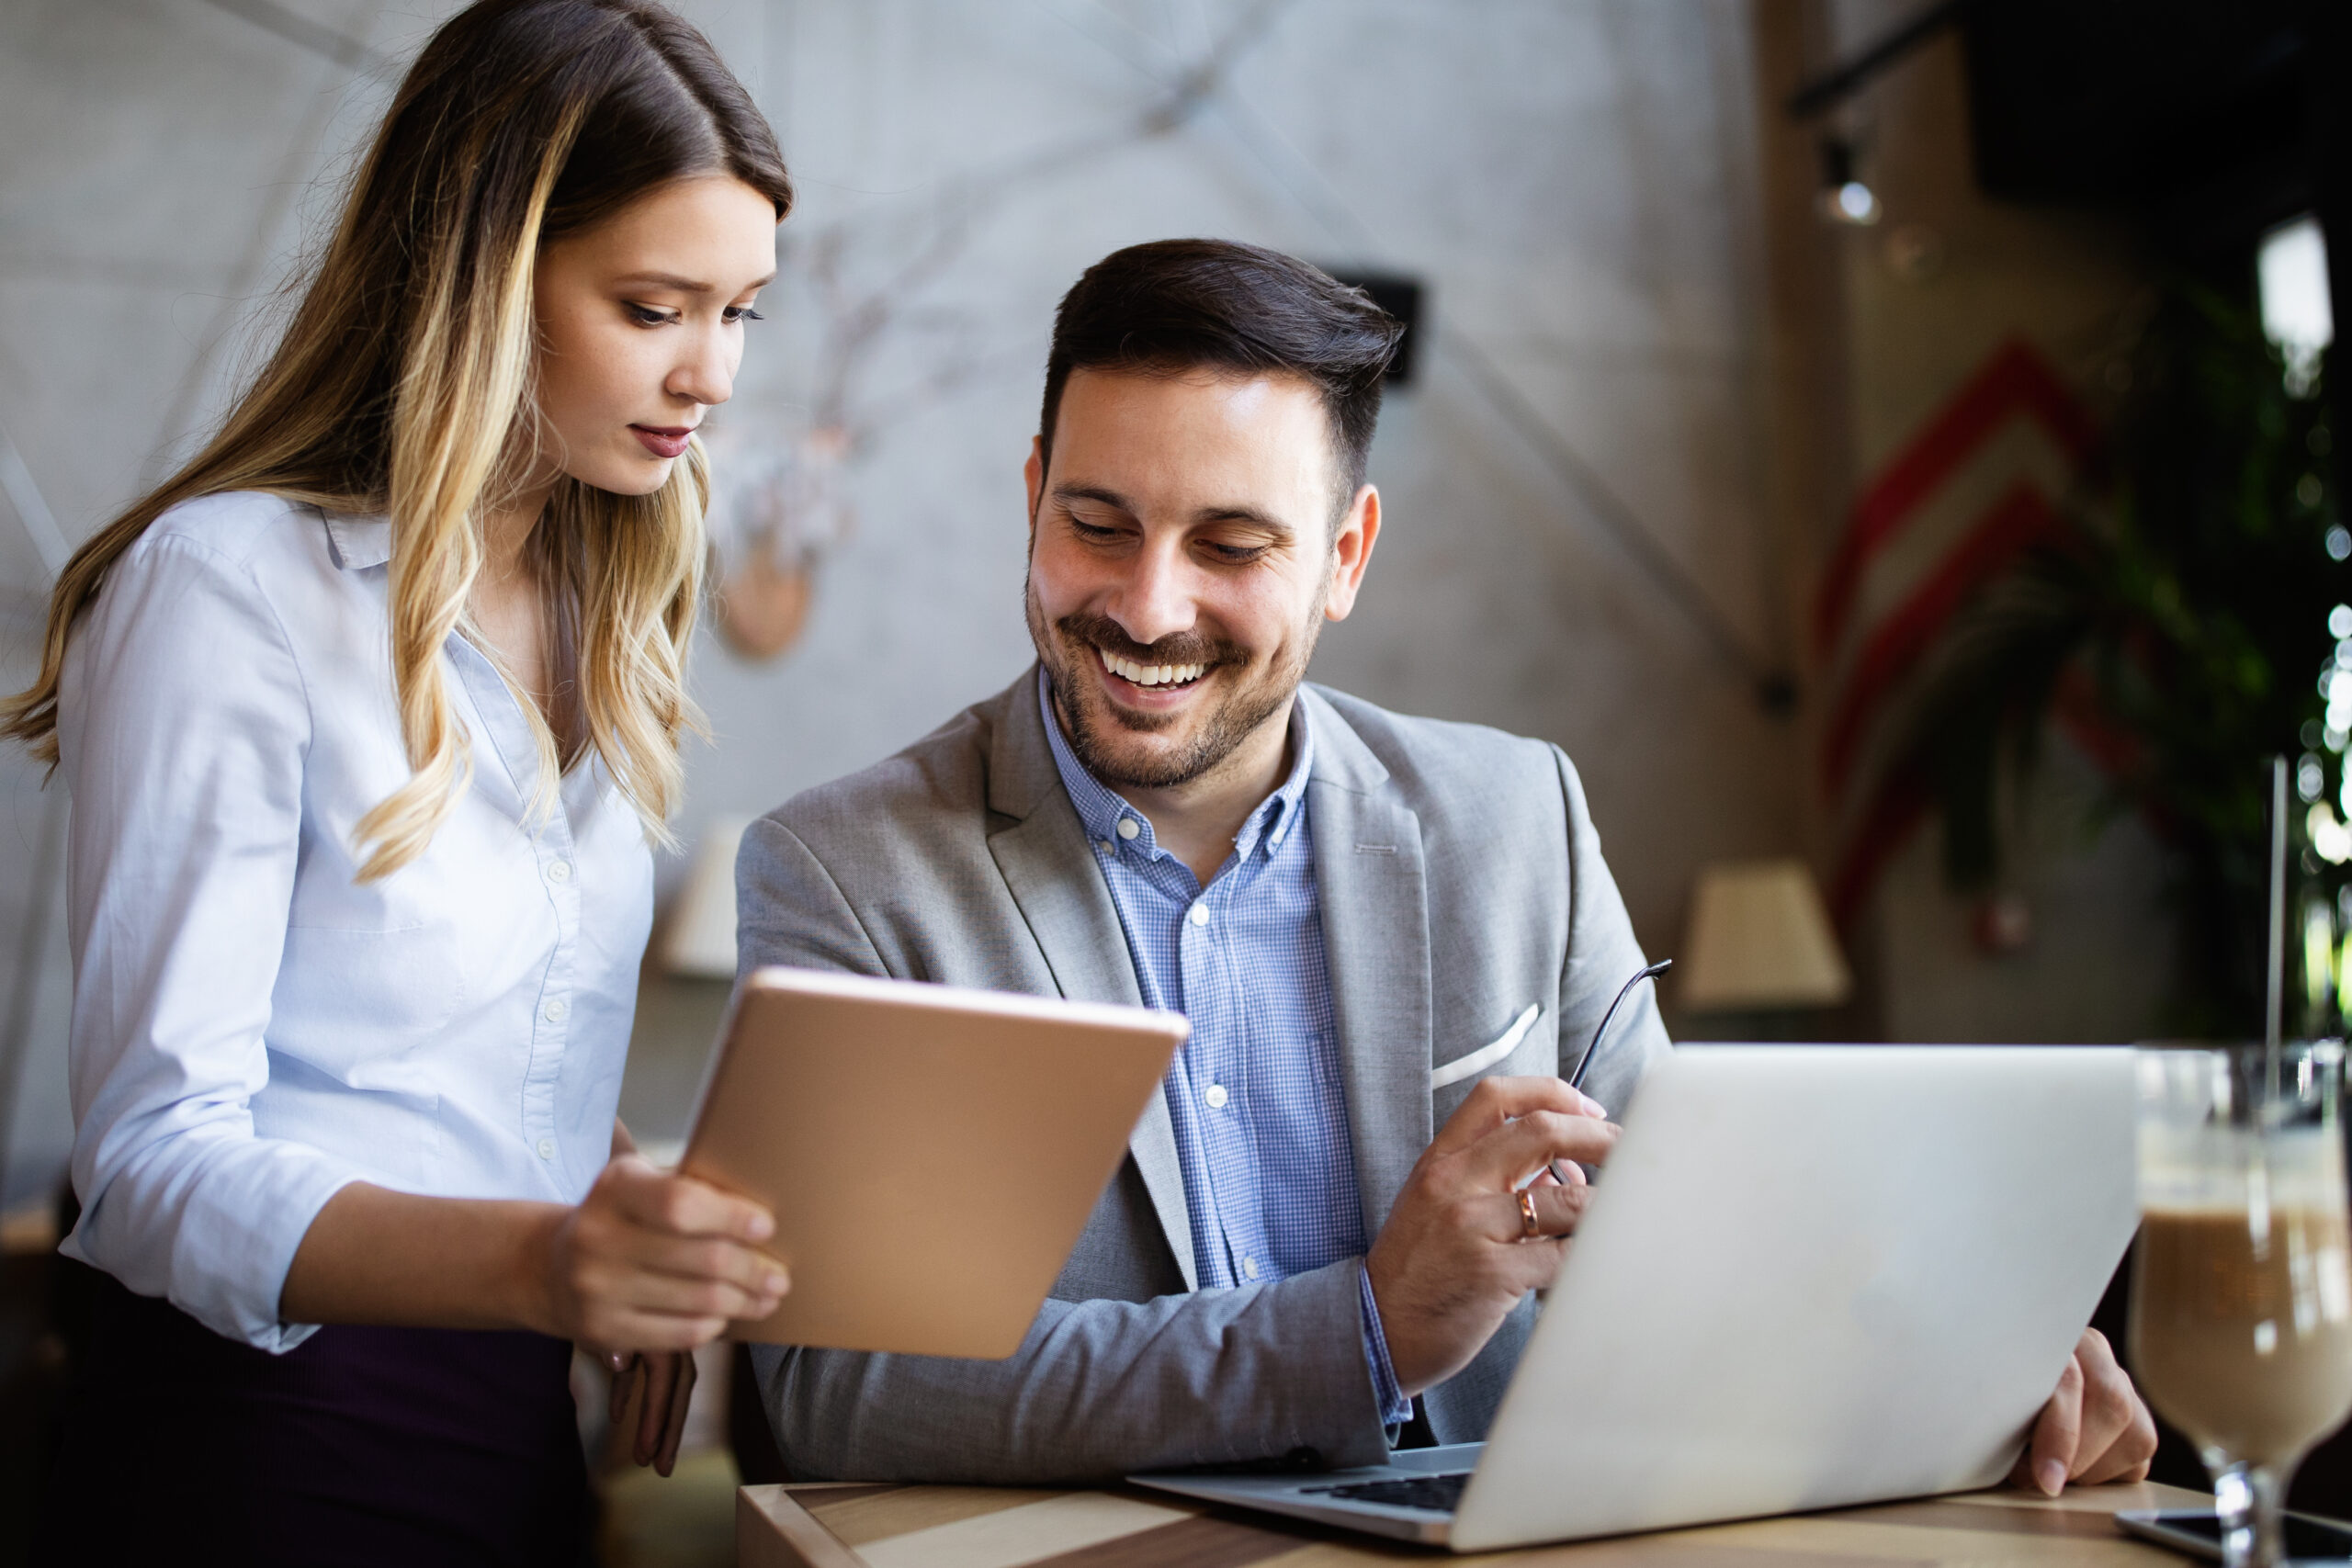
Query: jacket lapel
1049	869
1371	884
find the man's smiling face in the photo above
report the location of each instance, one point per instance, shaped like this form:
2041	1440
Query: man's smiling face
1182	558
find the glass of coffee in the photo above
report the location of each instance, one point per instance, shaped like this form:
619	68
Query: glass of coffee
2240	1330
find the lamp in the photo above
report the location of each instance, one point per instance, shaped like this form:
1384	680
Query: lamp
1759	940
700	941
2298	313
1845	199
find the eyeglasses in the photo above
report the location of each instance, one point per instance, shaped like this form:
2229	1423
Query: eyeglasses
1576	1079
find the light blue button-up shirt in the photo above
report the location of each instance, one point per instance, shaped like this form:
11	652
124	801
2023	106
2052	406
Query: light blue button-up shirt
253	1028
1254	1098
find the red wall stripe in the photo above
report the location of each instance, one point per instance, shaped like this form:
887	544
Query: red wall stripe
2015	379
1899	806
2015	521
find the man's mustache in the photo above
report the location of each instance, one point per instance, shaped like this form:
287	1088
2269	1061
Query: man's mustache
1176	647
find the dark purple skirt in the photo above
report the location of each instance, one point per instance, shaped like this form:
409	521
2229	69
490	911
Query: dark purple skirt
362	1446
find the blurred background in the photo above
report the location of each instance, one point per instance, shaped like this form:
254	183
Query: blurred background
1886	442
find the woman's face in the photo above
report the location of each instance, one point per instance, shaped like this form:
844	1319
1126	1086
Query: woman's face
640	324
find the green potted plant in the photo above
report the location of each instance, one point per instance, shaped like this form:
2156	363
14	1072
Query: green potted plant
2187	619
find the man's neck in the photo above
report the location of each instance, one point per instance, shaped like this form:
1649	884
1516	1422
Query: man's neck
1198	821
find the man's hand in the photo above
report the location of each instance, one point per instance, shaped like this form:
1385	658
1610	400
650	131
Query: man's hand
651	1260
2095	1428
1454	1257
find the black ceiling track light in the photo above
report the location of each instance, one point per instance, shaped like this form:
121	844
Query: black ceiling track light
2210	125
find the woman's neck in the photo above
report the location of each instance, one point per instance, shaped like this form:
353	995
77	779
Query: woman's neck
506	535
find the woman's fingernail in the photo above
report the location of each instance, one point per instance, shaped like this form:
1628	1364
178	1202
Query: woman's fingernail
2051	1476
776	1284
759	1227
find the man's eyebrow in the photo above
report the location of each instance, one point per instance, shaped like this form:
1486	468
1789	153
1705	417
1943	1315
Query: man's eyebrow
687	285
1250	514
1065	494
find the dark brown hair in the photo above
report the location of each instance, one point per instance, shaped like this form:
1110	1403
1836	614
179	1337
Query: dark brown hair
1178	305
408	364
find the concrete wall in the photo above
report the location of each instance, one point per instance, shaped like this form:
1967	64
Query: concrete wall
1571	181
1574	181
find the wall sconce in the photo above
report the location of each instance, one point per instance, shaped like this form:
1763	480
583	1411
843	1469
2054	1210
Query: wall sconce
1844	198
1760	941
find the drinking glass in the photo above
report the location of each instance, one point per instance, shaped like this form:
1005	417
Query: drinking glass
2241	1329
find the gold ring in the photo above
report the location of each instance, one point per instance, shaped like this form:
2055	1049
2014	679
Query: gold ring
1529	1225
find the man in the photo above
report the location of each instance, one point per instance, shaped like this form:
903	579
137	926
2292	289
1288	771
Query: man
1380	929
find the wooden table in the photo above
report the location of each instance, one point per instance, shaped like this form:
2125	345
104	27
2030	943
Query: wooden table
851	1526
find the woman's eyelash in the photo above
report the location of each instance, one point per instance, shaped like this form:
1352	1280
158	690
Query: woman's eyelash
647	316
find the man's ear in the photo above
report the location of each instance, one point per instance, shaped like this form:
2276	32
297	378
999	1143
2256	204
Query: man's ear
1033	472
1352	552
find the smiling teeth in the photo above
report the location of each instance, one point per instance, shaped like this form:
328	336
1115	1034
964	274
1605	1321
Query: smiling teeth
1151	674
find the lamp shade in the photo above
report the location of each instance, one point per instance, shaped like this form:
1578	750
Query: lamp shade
1759	939
699	942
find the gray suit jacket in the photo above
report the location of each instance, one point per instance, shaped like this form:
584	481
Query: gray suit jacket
1460	880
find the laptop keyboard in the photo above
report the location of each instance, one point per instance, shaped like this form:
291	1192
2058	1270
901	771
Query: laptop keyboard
1433	1494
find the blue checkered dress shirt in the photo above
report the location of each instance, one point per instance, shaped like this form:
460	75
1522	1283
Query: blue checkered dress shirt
1254	1097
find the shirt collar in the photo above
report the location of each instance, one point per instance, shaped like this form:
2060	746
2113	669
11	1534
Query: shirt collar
359	542
1101	810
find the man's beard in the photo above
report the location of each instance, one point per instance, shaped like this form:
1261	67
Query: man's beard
1074	639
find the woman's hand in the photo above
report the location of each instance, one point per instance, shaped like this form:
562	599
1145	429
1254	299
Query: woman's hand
651	1260
649	1396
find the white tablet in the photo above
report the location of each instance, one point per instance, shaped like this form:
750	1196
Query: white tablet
931	1154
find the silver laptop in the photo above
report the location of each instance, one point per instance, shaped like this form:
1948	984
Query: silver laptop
1812	1275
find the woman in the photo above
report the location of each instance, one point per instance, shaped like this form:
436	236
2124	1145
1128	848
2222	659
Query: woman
368	714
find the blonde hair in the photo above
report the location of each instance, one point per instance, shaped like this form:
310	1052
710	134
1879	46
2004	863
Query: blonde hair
404	385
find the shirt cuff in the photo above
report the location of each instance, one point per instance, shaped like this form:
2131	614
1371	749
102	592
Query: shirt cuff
1395	1408
215	1231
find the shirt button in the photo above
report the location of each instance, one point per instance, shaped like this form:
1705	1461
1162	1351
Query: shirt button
1216	1097
547	1151
556	1010
1200	915
1250	1267
560	871
1129	827
1104	845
